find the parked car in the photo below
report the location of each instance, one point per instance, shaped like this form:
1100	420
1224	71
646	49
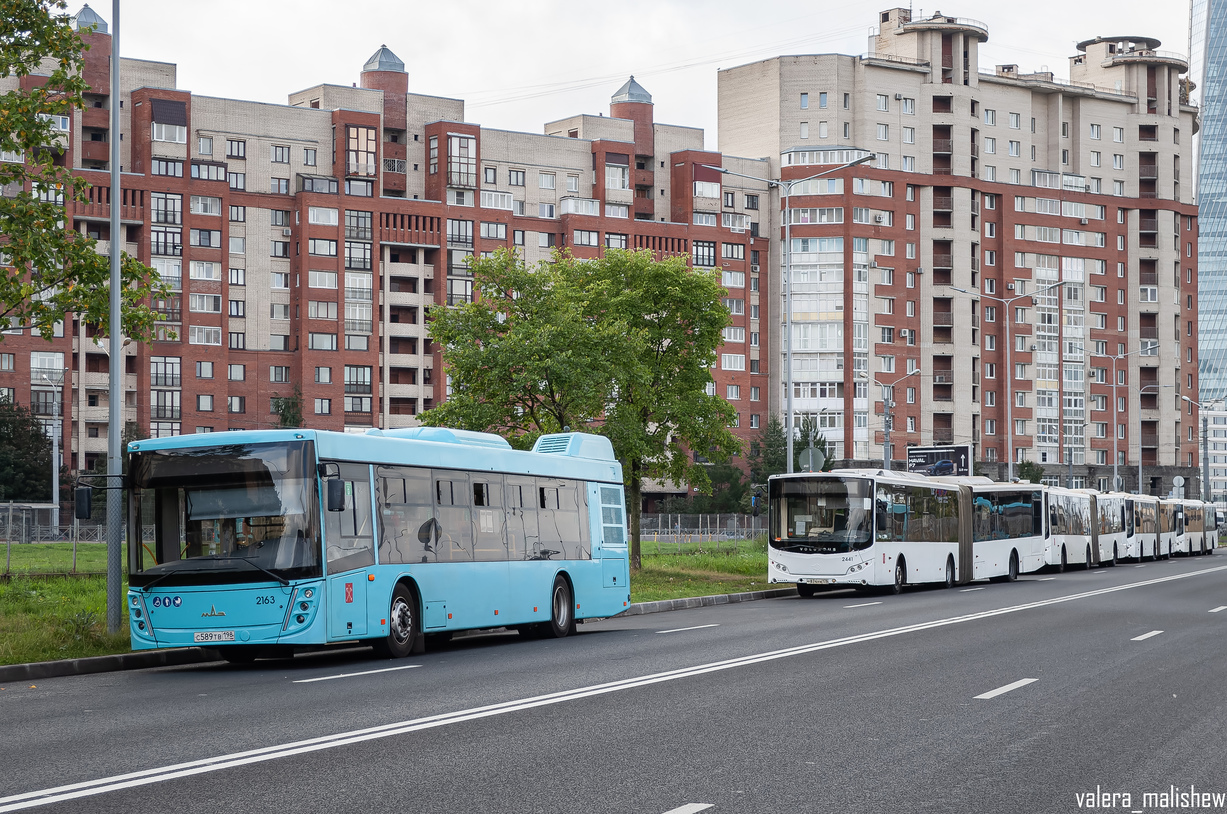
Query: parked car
943	467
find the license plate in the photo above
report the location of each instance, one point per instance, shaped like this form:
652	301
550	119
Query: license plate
818	581
214	636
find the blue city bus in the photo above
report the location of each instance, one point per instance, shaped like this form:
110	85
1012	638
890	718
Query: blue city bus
269	541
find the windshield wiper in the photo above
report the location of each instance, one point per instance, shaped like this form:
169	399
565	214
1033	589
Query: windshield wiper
275	576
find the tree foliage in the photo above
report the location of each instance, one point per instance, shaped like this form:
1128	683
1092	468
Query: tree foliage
621	345
25	455
809	429
288	408
63	271
1029	471
769	452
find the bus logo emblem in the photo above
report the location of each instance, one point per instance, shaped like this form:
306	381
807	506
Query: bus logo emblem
213	611
349	593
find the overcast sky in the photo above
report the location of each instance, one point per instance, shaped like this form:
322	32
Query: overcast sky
520	63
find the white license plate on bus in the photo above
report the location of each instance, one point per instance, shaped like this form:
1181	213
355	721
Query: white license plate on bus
214	636
818	581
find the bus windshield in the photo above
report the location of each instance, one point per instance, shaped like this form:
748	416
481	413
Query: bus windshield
209	515
821	515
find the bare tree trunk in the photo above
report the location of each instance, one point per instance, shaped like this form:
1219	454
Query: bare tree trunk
634	504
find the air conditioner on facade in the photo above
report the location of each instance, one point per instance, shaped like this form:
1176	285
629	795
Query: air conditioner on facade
1033	348
877	218
898	95
1009	286
286	232
1084	221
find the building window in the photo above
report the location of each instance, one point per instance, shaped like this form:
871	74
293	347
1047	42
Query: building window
323	406
236	148
237	180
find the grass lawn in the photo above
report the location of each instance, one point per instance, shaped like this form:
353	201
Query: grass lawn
700	570
56	618
52	558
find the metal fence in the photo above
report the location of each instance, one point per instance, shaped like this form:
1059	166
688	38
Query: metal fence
688	528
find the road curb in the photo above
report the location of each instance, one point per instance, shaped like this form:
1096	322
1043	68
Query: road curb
665	605
196	655
105	664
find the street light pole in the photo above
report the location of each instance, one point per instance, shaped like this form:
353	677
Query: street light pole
785	187
1006	302
888	406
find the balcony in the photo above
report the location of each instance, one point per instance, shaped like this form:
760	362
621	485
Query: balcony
1148	278
357	233
1148	224
1148	171
943	145
164	413
358	326
943	377
943	203
943	435
1150	439
396	165
943	319
360	167
166	380
409	230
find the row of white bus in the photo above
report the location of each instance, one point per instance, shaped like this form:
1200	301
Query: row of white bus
868	528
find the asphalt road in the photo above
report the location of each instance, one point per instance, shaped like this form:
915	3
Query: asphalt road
1014	698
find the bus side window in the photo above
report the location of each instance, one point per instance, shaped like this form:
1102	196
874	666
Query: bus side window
522	532
349	534
408	530
490	543
452	497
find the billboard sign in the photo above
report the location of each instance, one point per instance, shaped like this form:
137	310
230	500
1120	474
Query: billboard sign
954	459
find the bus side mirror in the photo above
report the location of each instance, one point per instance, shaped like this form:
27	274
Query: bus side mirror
335	495
84	497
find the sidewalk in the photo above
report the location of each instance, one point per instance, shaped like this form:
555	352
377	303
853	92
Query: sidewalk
196	655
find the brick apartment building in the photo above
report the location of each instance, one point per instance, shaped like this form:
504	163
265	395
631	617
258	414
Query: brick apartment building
305	241
987	188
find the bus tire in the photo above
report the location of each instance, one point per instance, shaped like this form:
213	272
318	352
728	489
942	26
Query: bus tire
1012	574
562	610
1112	562
402	625
949	572
805	591
1063	563
896	587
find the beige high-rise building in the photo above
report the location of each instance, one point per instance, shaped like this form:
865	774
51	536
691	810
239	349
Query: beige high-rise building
1018	260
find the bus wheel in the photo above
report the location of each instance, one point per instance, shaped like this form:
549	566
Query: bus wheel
950	572
1063	563
1112	562
896	587
562	619
401	627
1087	562
1012	574
805	591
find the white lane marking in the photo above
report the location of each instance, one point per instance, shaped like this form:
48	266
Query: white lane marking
1022	682
965	590
1219	608
679	630
863	605
147	777
1145	636
690	808
1139	566
1045	579
351	675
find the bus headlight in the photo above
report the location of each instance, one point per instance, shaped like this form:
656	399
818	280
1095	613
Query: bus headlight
782	567
860	566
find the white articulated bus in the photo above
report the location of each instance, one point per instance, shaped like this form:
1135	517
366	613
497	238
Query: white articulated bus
1109	534
875	528
1069	517
1172	538
1195	522
1144	523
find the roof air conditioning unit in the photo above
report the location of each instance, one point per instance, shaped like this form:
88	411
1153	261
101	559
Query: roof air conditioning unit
286	231
1009	286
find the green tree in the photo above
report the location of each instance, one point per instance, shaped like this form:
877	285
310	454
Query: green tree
621	345
1029	471
288	408
25	455
62	270
525	359
769	452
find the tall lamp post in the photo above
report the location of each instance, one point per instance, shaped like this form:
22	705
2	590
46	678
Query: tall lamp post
55	455
1116	484
786	186
888	405
1006	302
1205	442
